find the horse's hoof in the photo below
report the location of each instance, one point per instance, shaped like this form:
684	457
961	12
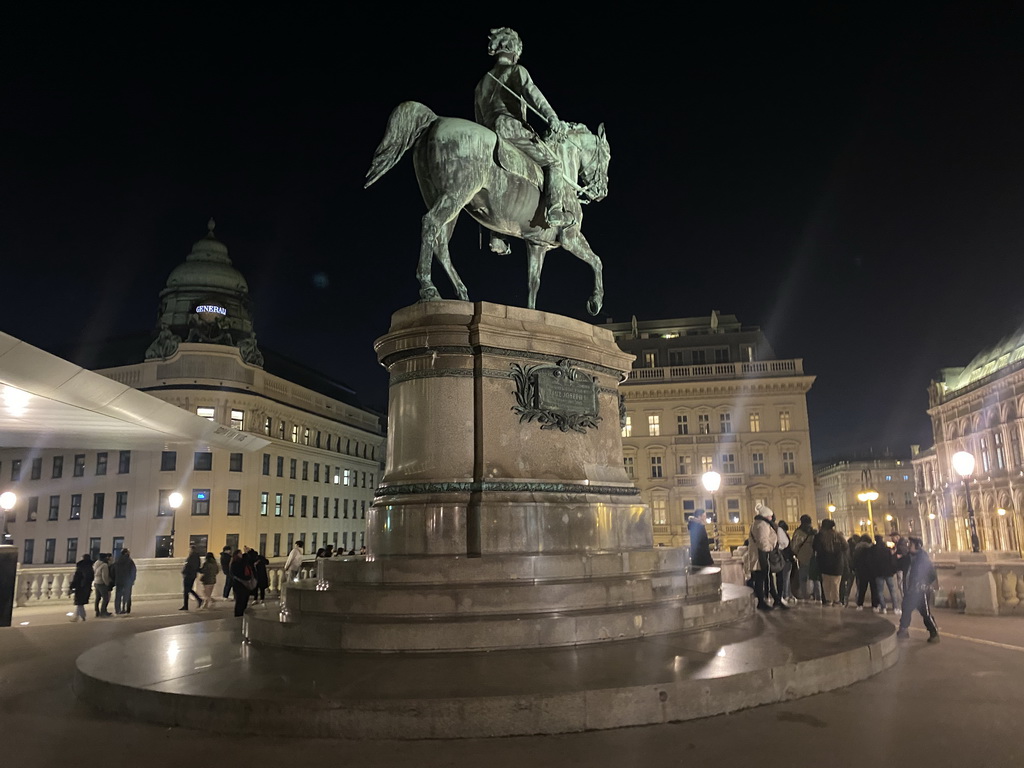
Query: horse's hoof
594	306
429	294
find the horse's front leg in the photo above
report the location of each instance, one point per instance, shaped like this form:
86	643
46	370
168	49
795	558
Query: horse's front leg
535	263
575	243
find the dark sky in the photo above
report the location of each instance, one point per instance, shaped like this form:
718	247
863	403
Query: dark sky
851	179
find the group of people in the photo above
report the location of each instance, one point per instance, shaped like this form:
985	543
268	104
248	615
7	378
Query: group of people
821	565
105	578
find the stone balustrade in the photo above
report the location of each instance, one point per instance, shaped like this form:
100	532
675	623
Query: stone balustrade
992	583
158	578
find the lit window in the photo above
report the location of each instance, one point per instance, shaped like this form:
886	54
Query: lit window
784	421
792	508
346	477
755	421
237	417
305	436
659	508
206	412
268	425
264	502
277	504
706	464
295	433
704	423
76	506
627	428
201	501
654	425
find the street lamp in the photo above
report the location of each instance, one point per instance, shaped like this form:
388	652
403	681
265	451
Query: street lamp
7	502
963	465
174	501
868	495
8	562
712	481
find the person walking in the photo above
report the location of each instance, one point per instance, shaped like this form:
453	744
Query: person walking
225	567
81	586
189	571
241	575
830	549
917	591
802	544
700	546
102	582
208	579
125	573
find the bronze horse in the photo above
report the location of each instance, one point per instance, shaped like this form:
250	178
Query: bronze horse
456	170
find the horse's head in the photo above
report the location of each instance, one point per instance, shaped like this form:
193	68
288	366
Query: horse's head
596	154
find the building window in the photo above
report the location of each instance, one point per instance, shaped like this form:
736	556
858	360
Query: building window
725	423
266	464
206	412
277	545
201	502
54	508
335	509
656	466
986	465
58	466
908	498
101	463
291	505
627	462
316	473
316	506
33	509
997	441
277	504
264	502
784	421
704	423
683	465
654	425
792	508
302	506
72	553
292	464
29	551
757	463
280	466
117	548
788	463
235	462
344	509
707	464
291	541
168	461
318	439
698	357
627	430
124	462
733	508
650	359
295	433
305	435
1015	454
94	547
755	421
280	429
49	550
659	508
76	507
237	417
234	502
728	462
268	426
203	461
305	470
121	504
16	473
37	469
892	498
163	506
362	506
682	427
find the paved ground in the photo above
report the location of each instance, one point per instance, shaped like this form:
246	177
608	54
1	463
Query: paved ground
959	703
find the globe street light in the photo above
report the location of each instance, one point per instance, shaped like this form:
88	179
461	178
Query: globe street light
963	465
868	495
712	481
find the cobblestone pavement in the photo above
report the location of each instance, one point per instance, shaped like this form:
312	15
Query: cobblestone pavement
957	703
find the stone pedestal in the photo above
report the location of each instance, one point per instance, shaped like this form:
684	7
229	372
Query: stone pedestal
503	436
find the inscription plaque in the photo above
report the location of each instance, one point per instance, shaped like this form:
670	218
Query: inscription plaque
556	396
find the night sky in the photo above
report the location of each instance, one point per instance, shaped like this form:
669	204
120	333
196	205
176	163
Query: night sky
851	179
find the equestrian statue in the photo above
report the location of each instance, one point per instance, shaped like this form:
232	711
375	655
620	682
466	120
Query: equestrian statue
501	172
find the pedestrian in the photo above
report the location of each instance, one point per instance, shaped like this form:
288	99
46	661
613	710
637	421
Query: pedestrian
883	562
902	551
81	586
700	546
785	586
225	567
241	574
831	551
189	571
125	574
208	578
258	563
802	544
102	581
921	578
292	566
762	540
863	570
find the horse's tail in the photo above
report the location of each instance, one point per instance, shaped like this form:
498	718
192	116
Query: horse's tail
407	123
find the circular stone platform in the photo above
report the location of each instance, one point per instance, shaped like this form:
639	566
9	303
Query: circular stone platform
205	676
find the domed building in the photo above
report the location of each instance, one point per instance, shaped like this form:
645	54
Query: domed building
303	461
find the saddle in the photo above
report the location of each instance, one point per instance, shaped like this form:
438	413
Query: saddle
517	162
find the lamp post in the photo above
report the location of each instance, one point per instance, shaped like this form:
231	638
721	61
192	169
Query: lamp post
174	500
963	465
8	561
712	481
868	495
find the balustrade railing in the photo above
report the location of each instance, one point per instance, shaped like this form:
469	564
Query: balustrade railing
794	367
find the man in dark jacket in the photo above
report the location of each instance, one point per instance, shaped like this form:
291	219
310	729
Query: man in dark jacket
225	567
860	556
188	578
802	545
700	547
920	579
125	573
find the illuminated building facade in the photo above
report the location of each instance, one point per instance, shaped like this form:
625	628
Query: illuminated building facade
709	394
839	483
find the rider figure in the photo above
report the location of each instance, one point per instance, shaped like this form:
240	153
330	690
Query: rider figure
501	102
